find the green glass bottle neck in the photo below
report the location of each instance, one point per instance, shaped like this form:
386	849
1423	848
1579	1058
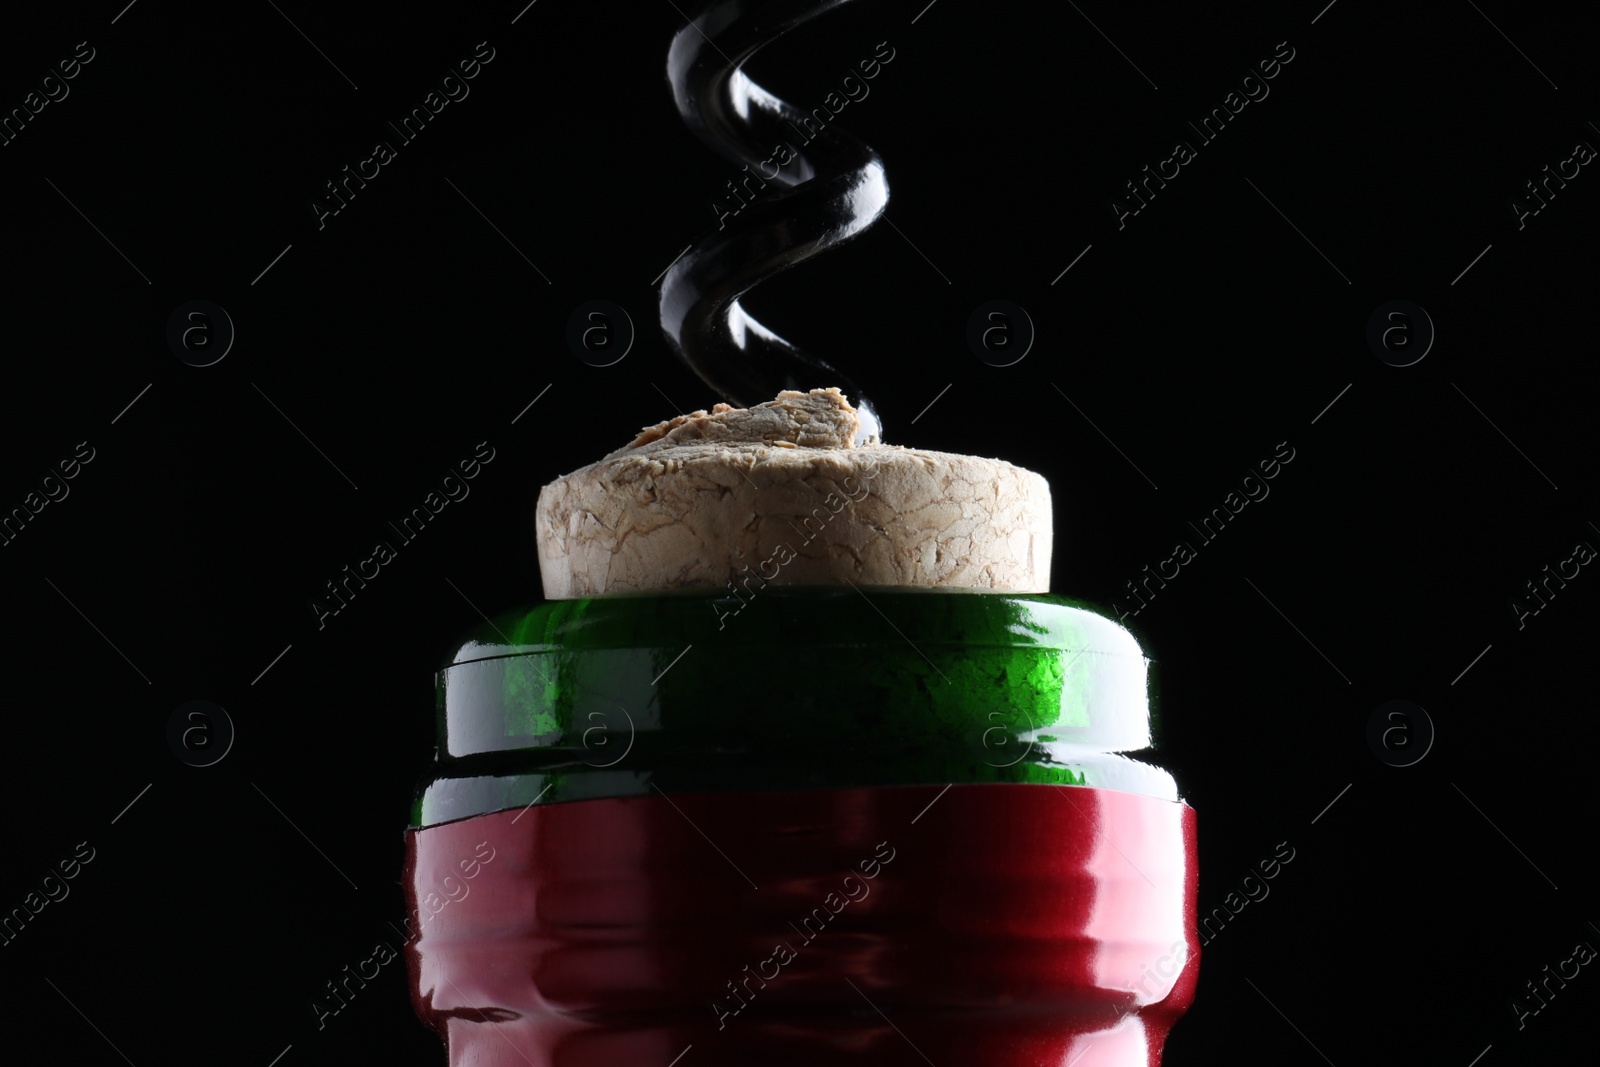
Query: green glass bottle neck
792	688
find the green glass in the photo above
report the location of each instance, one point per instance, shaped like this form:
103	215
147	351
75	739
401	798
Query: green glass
793	688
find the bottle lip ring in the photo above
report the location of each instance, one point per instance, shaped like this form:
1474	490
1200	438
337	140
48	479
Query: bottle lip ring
821	688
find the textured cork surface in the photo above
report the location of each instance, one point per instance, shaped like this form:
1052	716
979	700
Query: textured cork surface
779	493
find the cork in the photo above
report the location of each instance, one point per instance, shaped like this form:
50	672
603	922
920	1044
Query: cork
785	491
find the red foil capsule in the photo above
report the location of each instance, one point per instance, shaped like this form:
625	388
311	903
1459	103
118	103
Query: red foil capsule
971	925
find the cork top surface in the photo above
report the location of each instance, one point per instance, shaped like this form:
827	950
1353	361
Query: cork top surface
822	418
781	490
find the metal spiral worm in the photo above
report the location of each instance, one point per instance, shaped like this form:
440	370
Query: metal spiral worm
831	190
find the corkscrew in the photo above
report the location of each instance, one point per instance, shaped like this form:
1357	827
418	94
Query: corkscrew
832	188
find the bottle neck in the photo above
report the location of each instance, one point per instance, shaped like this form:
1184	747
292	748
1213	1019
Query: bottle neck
790	689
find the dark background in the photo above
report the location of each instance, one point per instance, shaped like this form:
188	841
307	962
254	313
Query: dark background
1196	339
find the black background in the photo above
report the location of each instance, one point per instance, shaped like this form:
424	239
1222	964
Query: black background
1196	339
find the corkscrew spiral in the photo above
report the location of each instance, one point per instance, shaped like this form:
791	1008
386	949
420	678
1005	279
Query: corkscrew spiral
832	188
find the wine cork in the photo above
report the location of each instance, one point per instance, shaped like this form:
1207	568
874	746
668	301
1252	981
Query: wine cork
782	492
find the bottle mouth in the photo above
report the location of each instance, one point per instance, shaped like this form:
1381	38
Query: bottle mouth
792	688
